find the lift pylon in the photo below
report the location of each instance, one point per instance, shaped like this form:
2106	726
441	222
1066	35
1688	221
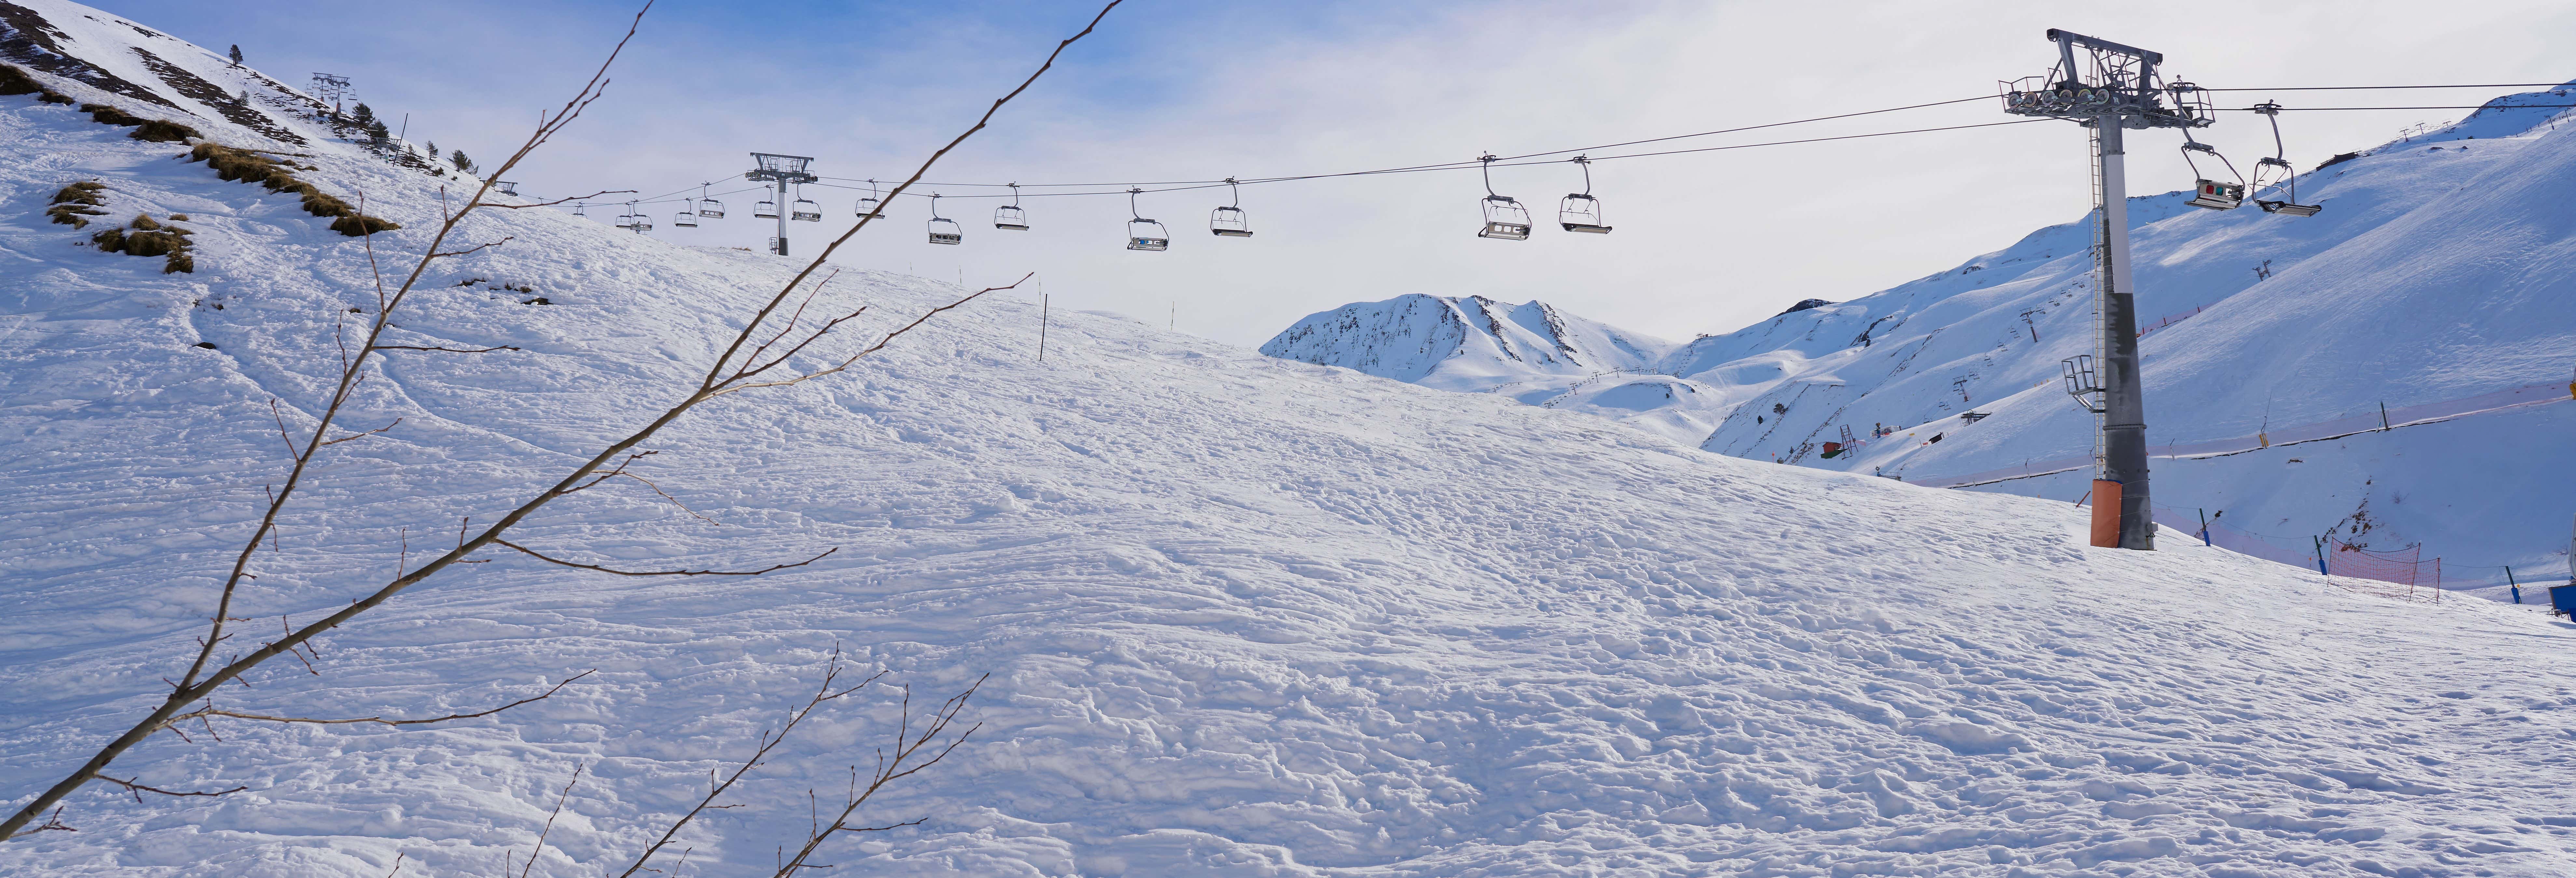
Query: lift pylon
2109	87
780	171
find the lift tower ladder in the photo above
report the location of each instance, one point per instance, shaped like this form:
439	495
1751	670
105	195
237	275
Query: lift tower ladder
2108	88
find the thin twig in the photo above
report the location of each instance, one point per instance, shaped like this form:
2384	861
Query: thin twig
211	711
397	422
550	821
890	768
408	347
138	789
542	557
556	201
823	693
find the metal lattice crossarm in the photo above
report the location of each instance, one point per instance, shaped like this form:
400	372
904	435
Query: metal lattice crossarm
2111	80
783	168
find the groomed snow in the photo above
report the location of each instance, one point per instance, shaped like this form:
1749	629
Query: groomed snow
1243	616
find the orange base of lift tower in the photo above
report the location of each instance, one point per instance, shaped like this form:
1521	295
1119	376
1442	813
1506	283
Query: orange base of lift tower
2106	513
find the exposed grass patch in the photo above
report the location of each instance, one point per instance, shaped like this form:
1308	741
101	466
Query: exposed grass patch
251	166
145	236
15	81
76	203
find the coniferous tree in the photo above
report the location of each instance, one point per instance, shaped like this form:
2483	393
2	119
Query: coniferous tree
433	150
376	130
236	55
461	162
364	114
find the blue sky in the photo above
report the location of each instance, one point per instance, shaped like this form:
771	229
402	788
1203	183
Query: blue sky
1177	90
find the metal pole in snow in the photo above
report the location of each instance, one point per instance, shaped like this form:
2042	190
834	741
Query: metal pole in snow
781	205
2124	417
2516	586
2383	417
1043	304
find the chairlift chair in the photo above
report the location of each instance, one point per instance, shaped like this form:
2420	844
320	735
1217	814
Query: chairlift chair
1505	219
1010	216
943	231
687	218
709	207
636	219
765	209
1142	233
1231	221
2212	194
577	209
871	207
1580	212
2282	175
803	210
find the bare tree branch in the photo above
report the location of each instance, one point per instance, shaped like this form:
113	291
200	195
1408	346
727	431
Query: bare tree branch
204	674
550	822
213	711
902	762
137	790
504	240
554	202
407	347
541	557
768	741
397	422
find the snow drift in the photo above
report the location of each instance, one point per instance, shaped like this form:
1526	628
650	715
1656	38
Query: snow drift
1243	616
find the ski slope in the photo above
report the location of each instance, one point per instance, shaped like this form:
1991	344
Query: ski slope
2438	270
1242	616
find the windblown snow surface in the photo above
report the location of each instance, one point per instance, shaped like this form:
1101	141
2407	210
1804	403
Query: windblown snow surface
1242	616
2439	269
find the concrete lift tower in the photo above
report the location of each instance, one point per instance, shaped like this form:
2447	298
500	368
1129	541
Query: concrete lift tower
781	171
2108	87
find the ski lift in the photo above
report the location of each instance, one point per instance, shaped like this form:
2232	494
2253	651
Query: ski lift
765	209
803	210
2212	194
1010	216
2278	170
1231	222
1142	233
1504	218
1580	212
577	209
943	231
870	207
637	220
709	207
687	218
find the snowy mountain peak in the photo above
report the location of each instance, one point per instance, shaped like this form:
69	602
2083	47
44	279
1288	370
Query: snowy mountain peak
1462	343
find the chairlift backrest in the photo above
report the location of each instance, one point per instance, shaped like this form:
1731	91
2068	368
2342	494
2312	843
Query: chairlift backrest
711	208
685	220
1145	234
944	231
2217	195
1230	222
1505	219
1012	218
806	211
766	209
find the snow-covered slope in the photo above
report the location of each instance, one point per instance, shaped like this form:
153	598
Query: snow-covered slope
2438	270
1244	616
1530	352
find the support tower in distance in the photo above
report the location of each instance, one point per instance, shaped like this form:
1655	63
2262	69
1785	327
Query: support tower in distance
2108	87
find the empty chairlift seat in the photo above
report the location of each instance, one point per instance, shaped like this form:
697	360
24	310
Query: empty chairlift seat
1142	233
1230	221
943	231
